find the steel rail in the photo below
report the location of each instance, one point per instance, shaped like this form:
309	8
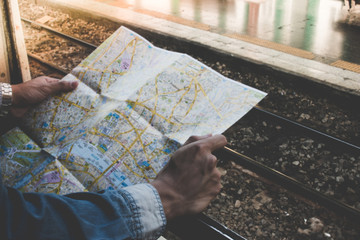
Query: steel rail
60	34
201	227
48	64
216	229
289	183
312	130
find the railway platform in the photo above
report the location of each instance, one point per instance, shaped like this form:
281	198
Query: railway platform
308	39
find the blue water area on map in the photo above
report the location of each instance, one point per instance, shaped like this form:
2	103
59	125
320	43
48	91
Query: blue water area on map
25	157
126	183
62	138
167	150
29	146
114	115
130	105
103	147
144	163
23	181
43	165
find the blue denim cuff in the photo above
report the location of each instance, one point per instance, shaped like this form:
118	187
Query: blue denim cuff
149	216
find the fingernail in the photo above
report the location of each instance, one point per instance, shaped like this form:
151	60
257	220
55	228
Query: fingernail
74	84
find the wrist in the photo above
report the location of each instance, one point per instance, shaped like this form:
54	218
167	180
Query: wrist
18	107
171	201
16	95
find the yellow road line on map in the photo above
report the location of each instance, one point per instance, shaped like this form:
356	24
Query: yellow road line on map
54	114
78	76
193	101
116	58
77	105
100	71
193	79
176	91
116	161
57	189
137	133
137	99
43	112
108	82
156	98
74	163
211	103
181	98
153	112
195	94
86	171
68	154
127	166
138	138
53	118
67	95
100	55
96	132
105	50
162	94
121	133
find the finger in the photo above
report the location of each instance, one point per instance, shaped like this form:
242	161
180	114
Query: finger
215	142
211	162
216	181
63	86
196	138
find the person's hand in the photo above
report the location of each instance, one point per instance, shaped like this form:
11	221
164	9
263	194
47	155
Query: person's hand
190	180
36	90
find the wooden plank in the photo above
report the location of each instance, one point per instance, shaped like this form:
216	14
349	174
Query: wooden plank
12	44
18	36
4	64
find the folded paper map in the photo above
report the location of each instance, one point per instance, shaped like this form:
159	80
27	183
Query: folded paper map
135	105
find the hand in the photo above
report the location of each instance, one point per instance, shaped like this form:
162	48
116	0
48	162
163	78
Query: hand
190	180
34	91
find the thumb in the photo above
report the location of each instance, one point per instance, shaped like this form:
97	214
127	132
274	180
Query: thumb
63	86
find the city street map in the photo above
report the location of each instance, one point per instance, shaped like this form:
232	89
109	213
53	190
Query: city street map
135	105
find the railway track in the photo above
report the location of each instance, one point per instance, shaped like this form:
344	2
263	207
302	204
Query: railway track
266	162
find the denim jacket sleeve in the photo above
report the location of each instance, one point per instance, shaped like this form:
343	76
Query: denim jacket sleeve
131	213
